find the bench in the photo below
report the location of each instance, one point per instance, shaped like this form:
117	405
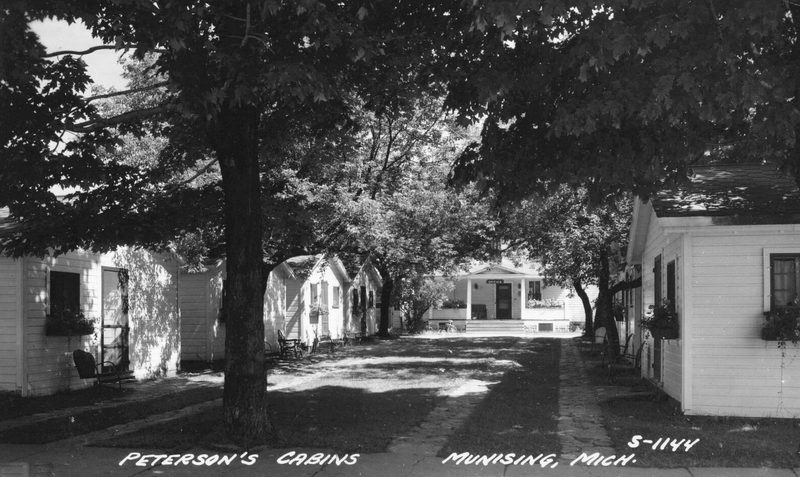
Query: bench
89	369
289	346
330	342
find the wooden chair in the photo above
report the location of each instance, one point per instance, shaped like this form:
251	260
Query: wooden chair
629	361
599	338
622	352
289	346
89	369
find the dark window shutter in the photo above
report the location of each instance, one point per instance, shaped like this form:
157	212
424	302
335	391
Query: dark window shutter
657	281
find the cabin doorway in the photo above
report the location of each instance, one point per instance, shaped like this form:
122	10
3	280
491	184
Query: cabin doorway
114	332
503	301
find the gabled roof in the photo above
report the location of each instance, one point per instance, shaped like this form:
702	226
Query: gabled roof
743	193
505	267
302	266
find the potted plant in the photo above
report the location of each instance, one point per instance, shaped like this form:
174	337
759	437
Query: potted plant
782	325
68	323
662	321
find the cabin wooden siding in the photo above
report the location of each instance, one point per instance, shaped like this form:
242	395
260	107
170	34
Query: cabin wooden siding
669	247
368	279
274	307
154	339
294	308
331	323
202	333
10	323
735	371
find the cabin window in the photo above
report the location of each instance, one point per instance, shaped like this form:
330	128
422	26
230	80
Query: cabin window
371	299
784	279
671	285
355	301
535	290
65	293
335	297
314	294
222	300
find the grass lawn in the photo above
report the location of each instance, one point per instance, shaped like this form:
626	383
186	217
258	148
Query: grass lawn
82	422
724	441
12	405
362	398
341	419
520	413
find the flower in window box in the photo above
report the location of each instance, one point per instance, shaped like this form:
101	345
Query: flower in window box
782	325
546	303
662	321
68	323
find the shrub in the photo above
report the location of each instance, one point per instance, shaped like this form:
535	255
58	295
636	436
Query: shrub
68	323
782	325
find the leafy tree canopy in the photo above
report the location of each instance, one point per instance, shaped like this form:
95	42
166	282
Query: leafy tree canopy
626	94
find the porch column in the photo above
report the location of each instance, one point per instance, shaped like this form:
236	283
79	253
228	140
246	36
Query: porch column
522	298
469	299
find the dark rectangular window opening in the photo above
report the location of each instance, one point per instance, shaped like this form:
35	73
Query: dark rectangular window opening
535	290
784	280
671	285
65	293
657	297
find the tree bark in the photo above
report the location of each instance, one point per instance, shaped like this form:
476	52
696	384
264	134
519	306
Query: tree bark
387	289
244	397
588	328
605	306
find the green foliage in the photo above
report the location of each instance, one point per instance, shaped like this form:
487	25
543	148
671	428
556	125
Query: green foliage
68	323
625	95
567	234
662	320
453	304
546	303
418	295
782	325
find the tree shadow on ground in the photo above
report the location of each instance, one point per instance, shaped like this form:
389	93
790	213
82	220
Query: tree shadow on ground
360	399
520	413
342	419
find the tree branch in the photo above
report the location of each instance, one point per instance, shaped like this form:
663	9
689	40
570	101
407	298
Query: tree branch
93	49
89	126
194	176
127	91
626	285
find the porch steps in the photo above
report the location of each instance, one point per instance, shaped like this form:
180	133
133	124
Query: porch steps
495	327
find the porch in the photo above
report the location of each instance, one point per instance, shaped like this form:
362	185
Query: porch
499	299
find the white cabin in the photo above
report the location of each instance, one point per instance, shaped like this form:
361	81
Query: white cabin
710	248
131	295
507	297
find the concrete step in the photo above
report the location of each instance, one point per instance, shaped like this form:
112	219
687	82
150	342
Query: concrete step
495	326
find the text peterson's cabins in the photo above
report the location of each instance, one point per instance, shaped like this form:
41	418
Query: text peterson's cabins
131	294
724	249
503	297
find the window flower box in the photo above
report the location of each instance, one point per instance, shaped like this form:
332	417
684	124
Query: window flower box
547	303
662	322
68	323
782	325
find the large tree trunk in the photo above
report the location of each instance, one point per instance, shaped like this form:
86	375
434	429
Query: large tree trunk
605	307
244	397
387	288
588	328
